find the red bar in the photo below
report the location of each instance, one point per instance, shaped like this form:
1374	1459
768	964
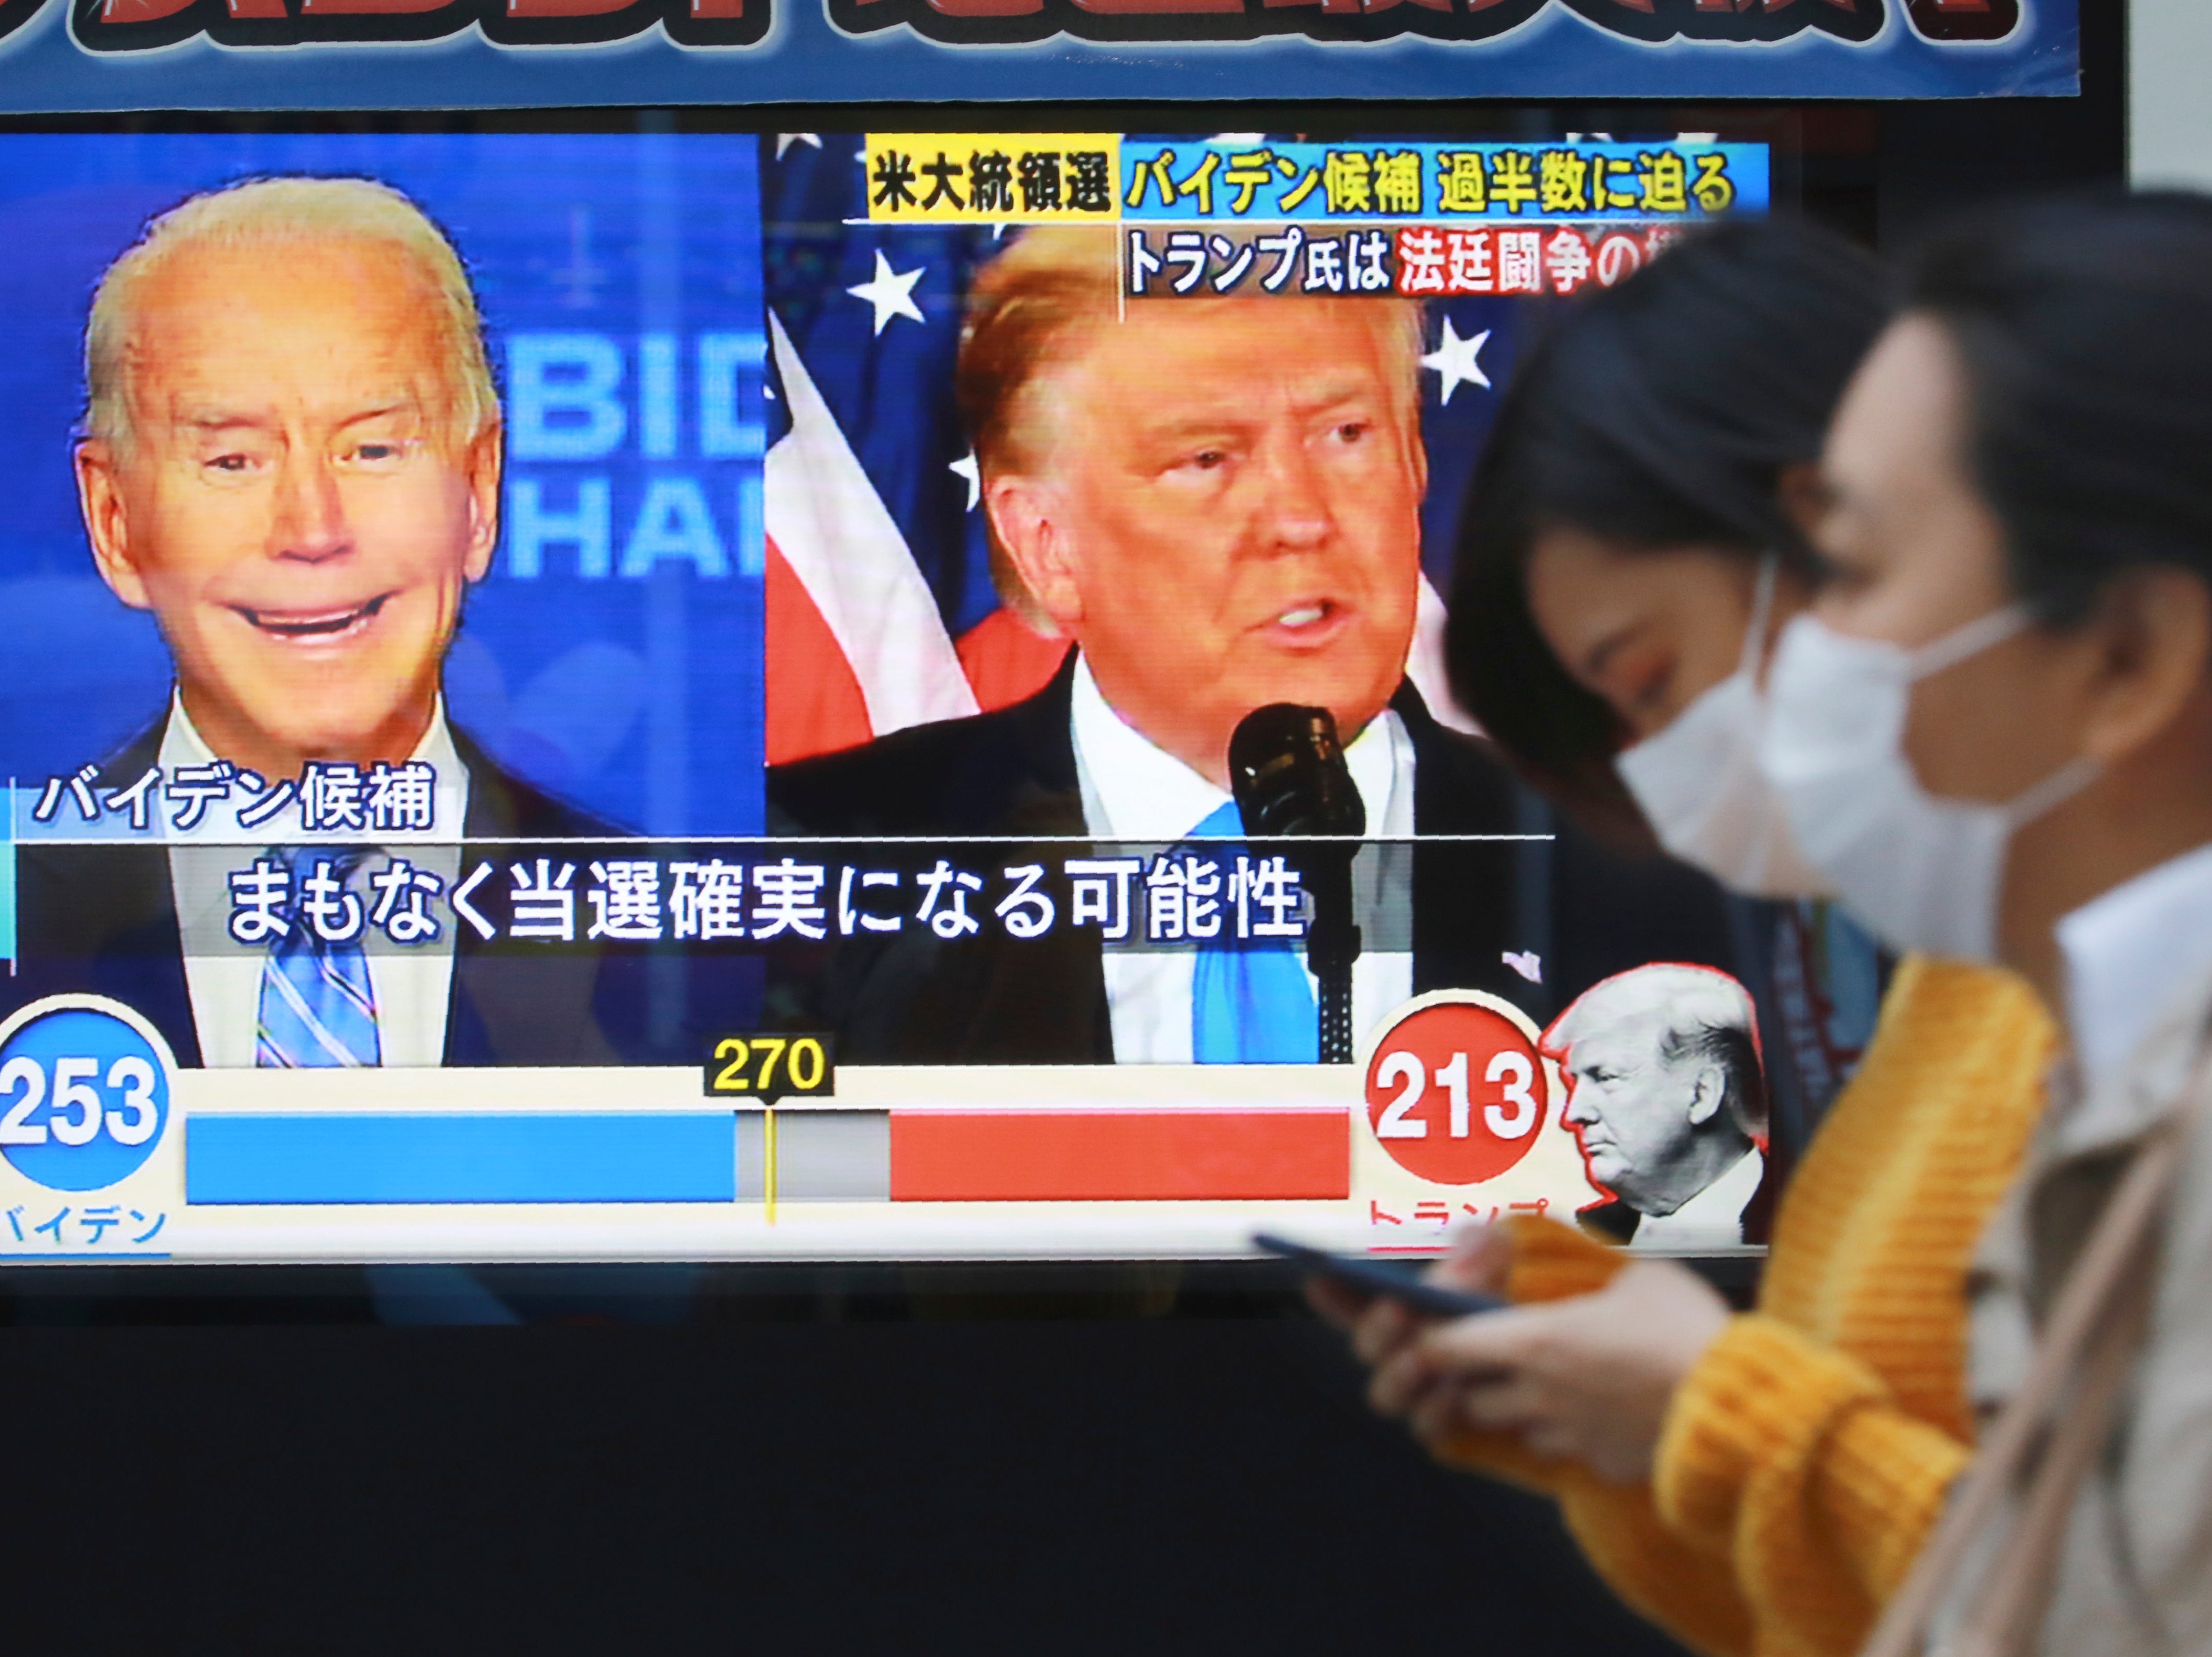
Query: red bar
1119	1156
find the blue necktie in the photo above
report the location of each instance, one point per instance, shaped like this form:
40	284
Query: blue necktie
318	1010
1250	1002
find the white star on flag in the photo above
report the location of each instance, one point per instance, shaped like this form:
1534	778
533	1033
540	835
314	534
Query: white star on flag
891	292
1455	359
785	140
967	467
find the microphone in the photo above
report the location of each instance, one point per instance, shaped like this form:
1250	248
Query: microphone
1287	772
1286	769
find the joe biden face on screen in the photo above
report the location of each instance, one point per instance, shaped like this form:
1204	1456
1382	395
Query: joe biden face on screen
291	457
292	460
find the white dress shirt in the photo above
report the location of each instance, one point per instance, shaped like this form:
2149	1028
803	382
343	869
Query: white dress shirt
411	984
1713	1218
1136	792
2132	959
2129	953
2132	1575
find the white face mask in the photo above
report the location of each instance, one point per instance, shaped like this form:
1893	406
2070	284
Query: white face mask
1701	788
1923	872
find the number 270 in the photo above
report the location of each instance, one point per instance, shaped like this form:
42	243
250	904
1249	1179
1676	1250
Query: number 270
805	1059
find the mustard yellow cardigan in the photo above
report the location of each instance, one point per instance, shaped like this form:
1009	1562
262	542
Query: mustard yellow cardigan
1805	1457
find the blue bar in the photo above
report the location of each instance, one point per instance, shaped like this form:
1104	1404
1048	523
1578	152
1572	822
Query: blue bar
7	879
671	1156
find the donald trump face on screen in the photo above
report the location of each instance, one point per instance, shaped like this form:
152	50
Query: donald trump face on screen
292	459
1665	1095
1217	500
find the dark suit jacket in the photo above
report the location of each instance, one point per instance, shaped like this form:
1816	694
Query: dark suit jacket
909	997
101	920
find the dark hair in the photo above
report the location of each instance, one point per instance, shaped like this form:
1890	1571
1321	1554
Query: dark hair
1661	413
2084	327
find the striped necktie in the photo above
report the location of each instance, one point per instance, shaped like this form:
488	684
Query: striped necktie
1250	1003
318	1008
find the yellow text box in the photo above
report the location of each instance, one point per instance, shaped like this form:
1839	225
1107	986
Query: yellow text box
993	177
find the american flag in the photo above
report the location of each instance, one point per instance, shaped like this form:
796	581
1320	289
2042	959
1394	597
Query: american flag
881	613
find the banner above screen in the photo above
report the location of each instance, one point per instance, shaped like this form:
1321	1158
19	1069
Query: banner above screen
90	54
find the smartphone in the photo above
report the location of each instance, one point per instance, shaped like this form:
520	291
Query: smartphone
1373	1277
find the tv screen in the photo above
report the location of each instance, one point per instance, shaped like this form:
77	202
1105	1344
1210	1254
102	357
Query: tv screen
686	696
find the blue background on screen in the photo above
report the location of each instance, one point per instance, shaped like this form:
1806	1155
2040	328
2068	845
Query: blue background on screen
613	656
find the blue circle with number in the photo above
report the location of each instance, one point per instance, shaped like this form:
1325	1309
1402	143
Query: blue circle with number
84	1099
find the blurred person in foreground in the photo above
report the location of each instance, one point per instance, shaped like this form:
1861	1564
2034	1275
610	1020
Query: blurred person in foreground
1757	1483
1994	733
1219	501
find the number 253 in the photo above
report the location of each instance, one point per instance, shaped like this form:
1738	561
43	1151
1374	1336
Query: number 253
79	1113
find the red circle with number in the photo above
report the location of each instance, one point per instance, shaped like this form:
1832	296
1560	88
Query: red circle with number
1455	1094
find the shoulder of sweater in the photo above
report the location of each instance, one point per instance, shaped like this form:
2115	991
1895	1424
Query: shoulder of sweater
1932	997
1931	1125
1951	1040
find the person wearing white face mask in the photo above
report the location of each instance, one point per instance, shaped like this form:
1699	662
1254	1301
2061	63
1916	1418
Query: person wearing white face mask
1925	872
1994	735
1698	781
1757	1483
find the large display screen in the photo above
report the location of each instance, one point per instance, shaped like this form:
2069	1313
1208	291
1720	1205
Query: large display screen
667	696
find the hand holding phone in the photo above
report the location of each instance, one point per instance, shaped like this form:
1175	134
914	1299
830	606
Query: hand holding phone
1374	1279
